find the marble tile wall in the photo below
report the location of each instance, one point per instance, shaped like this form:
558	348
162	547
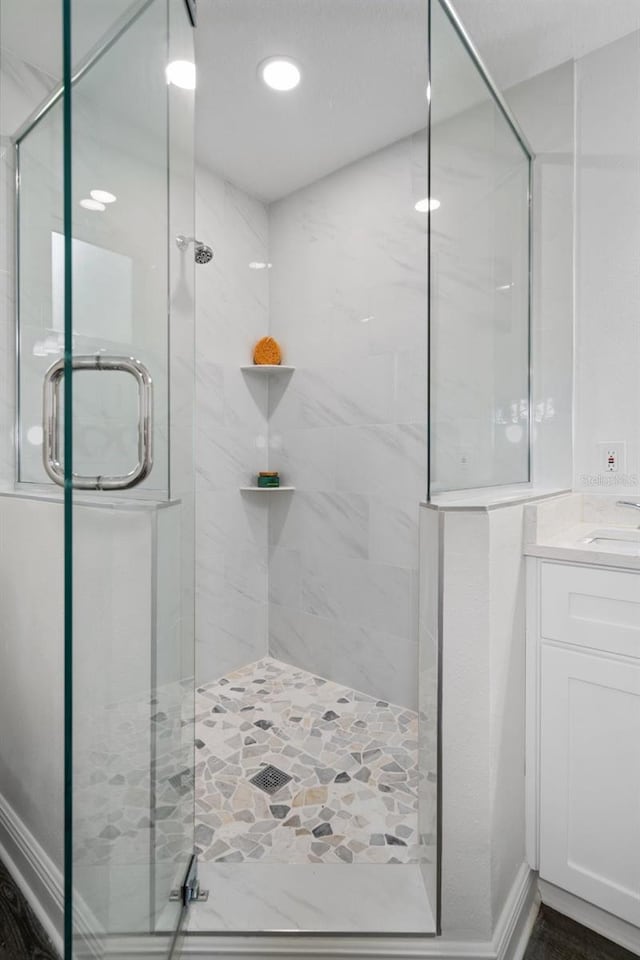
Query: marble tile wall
231	430
607	380
479	303
348	304
551	132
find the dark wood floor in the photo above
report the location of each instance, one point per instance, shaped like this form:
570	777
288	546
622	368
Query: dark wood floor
555	937
21	936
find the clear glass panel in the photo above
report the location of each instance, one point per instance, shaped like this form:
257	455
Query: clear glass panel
131	155
479	252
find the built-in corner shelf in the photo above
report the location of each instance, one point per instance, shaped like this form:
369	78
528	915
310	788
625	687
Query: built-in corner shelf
266	489
266	368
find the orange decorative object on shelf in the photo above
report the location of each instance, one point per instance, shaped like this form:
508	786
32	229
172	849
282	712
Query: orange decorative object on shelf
267	351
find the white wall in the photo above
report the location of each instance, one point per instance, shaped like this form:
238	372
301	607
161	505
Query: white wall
231	430
348	304
31	666
7	318
22	88
607	254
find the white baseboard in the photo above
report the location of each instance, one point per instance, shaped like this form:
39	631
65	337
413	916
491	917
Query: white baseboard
518	916
41	882
34	871
620	932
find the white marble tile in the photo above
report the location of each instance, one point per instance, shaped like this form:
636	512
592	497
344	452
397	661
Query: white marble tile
301	639
383	664
318	523
393	531
231	430
306	456
320	897
387	460
284	577
348	303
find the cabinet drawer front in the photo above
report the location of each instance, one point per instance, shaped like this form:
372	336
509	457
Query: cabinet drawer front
591	607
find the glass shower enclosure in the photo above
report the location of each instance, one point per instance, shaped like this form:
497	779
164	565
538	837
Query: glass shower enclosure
397	276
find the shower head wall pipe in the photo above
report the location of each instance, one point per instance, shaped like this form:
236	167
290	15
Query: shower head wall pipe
201	252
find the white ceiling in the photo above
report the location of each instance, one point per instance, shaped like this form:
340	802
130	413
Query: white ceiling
364	84
364	74
521	38
363	65
33	28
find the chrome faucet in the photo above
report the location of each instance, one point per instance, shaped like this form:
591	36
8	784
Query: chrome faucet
633	504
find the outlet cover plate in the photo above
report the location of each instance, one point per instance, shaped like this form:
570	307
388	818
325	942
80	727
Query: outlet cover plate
612	456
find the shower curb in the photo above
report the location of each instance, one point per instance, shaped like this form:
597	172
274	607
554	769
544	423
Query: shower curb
41	882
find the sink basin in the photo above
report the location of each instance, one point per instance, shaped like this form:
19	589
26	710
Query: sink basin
615	541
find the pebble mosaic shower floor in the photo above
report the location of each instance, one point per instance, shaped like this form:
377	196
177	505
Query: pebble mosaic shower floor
352	760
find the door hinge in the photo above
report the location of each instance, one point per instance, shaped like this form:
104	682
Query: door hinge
190	891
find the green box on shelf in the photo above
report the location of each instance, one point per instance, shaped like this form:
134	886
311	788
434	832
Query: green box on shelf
268	482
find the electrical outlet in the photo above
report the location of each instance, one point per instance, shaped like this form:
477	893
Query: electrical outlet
613	455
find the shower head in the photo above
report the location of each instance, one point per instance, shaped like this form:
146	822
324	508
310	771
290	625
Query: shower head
201	252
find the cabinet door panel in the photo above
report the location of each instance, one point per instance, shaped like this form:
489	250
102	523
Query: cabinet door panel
590	778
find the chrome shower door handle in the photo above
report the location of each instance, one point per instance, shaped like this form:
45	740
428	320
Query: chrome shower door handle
51	422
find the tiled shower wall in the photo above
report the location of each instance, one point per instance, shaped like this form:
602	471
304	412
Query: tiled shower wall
231	430
348	304
335	591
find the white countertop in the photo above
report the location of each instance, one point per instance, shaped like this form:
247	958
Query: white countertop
568	544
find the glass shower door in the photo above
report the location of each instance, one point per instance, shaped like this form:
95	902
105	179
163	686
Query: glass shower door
123	292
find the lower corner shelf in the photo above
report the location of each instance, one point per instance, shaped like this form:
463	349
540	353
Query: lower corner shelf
266	489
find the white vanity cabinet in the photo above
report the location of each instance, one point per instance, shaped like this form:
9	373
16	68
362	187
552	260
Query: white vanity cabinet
583	732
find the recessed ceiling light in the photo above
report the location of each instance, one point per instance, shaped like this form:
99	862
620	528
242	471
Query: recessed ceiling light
182	73
103	196
280	73
92	204
422	206
259	265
